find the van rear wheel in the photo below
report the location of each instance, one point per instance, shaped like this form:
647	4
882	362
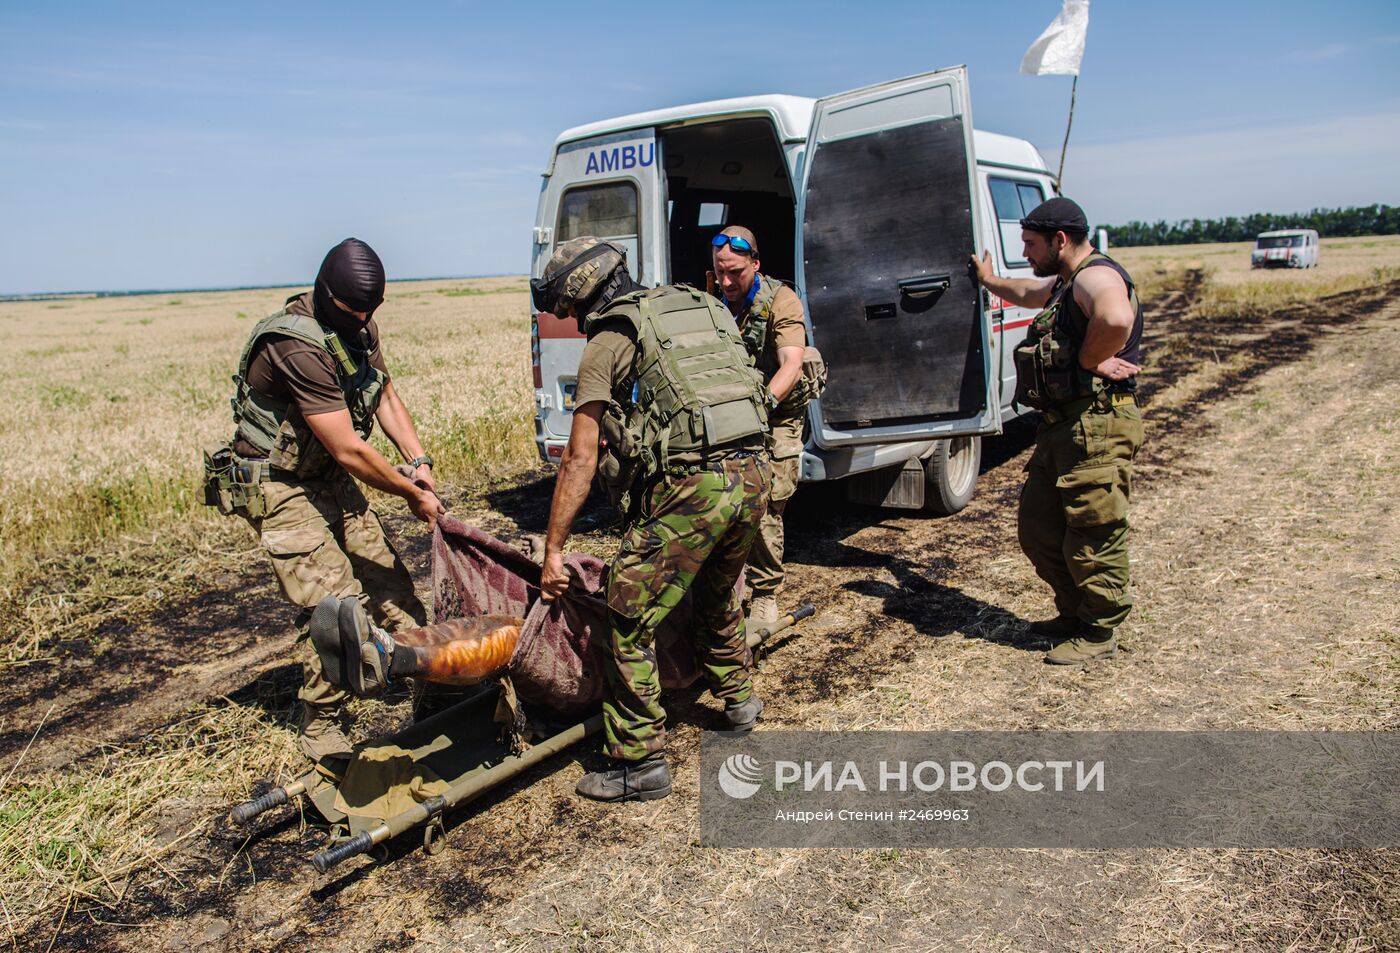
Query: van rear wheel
950	474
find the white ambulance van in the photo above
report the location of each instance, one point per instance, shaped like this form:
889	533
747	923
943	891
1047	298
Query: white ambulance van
869	203
1287	248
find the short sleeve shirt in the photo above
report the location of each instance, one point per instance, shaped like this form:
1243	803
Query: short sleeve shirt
606	363
786	329
302	374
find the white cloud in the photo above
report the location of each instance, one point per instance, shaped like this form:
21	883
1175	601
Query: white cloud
1328	52
1339	162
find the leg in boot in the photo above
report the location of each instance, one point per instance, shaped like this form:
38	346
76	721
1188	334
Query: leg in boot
645	780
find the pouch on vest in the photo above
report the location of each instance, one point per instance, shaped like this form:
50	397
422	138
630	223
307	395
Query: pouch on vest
218	477
810	384
231	484
619	457
1047	365
269	424
296	450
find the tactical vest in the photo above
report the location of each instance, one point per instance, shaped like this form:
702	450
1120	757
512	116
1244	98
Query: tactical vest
1048	374
269	425
692	388
757	323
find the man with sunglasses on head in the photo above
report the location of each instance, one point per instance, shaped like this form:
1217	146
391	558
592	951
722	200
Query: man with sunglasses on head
666	391
769	315
310	385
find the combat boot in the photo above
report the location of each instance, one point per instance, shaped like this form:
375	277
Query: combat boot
1060	627
629	781
366	650
321	736
763	614
1090	645
742	716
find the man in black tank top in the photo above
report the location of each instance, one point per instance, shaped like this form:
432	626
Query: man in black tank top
1073	515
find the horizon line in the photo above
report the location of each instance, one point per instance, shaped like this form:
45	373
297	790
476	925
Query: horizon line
136	292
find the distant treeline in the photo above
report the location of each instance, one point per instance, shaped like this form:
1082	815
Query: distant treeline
1329	222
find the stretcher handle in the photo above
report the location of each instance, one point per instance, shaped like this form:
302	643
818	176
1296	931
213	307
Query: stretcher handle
328	858
248	810
759	636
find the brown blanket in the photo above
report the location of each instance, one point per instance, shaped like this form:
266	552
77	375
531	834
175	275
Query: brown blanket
558	662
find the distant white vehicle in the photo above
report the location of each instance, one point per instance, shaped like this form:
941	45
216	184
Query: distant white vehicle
1287	248
869	202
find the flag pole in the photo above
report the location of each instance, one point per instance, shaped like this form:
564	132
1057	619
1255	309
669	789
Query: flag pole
1060	176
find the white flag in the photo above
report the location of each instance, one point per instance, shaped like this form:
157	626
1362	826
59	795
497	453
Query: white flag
1058	51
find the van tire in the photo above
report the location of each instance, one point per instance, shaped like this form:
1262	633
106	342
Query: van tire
950	474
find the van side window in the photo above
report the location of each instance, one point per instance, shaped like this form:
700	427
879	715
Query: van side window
608	211
1013	200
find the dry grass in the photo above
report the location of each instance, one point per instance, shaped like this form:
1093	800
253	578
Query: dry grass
1234	288
88	831
111	523
111	399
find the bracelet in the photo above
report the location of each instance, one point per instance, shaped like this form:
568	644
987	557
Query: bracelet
423	461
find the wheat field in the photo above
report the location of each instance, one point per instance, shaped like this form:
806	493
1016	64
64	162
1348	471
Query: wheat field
110	400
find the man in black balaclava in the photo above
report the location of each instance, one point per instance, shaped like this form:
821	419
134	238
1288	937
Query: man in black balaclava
311	383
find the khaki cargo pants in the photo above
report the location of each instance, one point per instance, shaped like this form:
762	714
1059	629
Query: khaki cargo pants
765	569
324	540
1073	517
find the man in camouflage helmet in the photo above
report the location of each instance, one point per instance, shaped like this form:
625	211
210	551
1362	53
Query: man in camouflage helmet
769	315
310	385
1078	366
688	455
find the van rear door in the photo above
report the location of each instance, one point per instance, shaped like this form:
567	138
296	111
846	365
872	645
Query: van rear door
887	224
609	186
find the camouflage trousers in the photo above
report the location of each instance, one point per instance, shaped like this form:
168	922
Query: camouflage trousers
693	533
1073	517
324	540
765	569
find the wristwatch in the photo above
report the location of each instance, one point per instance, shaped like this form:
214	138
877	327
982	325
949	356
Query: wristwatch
423	461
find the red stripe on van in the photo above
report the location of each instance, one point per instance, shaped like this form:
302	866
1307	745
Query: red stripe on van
554	329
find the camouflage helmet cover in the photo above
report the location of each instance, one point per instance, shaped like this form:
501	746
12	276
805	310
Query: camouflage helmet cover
575	272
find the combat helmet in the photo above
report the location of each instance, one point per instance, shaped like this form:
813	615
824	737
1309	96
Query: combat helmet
576	273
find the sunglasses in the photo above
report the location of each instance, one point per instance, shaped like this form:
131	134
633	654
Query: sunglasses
740	245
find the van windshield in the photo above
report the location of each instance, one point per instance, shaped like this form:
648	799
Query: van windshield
1282	241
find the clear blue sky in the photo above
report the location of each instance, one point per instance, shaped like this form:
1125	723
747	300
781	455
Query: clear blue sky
155	145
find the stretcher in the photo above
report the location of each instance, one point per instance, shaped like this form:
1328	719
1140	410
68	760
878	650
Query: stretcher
411	778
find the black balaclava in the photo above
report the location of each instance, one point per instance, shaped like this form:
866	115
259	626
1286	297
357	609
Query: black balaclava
354	275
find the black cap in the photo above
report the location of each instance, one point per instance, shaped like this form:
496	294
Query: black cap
1057	215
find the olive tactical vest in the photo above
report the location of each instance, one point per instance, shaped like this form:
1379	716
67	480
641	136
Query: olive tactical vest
269	424
1048	374
693	386
757	323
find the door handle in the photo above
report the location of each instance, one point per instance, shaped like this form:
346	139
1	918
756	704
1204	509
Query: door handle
923	286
